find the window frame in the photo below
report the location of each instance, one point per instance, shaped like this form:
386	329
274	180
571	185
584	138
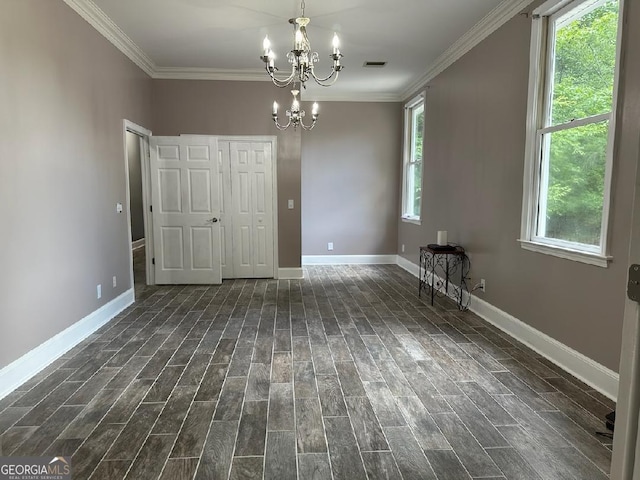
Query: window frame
538	107
407	156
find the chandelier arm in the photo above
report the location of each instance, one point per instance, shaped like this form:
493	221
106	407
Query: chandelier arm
314	119
321	81
281	127
281	83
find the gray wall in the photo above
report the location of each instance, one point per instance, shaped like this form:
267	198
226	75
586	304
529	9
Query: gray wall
237	108
474	161
351	179
135	186
64	91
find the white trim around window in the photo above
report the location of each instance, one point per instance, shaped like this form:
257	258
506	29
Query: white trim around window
410	161
539	98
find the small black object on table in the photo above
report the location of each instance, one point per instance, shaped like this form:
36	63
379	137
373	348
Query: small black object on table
447	260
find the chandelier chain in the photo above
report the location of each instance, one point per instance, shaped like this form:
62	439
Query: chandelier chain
302	5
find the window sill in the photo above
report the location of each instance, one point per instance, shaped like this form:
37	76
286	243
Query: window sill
567	253
414	220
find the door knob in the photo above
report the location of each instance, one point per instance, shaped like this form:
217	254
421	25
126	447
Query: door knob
213	220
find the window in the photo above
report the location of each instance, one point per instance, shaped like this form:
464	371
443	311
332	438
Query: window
569	140
412	164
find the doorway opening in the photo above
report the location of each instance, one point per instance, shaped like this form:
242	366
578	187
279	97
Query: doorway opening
136	141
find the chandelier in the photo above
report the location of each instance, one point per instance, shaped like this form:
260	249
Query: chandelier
301	58
295	115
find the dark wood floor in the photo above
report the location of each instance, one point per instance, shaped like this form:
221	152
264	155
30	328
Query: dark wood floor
345	375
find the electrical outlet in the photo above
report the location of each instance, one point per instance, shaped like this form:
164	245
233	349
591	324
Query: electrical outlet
403	248
99	291
330	246
483	285
115	282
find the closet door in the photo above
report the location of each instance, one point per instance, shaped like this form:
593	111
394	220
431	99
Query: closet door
252	209
186	233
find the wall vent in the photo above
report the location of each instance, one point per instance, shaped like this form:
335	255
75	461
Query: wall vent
374	64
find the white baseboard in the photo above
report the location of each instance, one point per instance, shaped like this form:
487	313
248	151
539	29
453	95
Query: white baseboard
410	267
580	366
25	367
290	273
349	259
137	244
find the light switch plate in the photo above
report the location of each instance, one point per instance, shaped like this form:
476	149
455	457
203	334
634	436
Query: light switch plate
118	207
290	204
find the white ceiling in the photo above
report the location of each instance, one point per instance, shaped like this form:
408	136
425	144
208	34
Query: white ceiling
196	38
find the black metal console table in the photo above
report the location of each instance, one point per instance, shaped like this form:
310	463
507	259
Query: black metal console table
437	267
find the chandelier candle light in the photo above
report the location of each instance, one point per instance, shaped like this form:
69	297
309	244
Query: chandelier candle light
301	58
295	115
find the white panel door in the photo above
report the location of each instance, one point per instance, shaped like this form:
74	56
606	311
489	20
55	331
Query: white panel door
252	208
186	209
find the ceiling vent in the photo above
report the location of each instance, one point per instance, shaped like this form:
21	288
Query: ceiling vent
374	64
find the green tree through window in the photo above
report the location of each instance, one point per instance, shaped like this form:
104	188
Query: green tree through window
412	163
572	192
417	158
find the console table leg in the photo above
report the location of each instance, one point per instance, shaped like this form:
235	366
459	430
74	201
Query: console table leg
420	279
446	286
433	279
461	283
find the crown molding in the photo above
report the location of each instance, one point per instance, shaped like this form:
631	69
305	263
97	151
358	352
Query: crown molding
103	24
325	96
497	17
258	75
196	73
